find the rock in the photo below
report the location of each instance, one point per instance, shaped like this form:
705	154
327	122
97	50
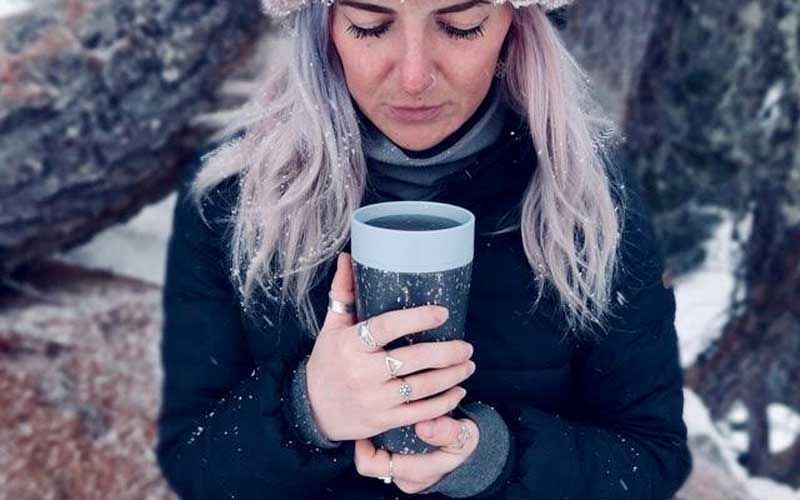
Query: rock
80	387
95	101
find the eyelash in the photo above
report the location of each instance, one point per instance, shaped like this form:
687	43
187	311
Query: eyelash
452	32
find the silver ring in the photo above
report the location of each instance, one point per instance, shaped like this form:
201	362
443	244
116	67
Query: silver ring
388	479
432	83
365	335
405	390
393	365
338	306
463	436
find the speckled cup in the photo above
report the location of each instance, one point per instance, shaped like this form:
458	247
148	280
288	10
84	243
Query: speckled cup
404	268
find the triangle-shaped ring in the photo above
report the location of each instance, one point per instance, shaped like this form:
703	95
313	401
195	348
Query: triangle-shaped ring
393	365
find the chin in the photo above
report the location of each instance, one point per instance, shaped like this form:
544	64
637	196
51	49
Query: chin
419	145
419	140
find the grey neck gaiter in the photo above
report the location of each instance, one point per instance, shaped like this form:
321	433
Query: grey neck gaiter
415	175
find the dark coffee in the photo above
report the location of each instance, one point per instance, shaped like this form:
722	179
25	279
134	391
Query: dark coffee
413	222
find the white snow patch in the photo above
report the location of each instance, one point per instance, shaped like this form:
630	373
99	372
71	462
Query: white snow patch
12	7
137	248
784	427
734	427
698	422
703	297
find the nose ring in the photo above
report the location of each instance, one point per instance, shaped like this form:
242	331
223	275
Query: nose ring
433	82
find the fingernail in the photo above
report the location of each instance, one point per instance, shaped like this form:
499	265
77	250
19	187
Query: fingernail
444	313
427	429
462	391
472	367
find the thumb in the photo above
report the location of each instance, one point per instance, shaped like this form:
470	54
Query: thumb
342	289
441	431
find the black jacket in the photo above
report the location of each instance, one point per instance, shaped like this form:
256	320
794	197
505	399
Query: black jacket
589	420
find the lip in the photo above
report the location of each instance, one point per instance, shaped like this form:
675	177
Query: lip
415	114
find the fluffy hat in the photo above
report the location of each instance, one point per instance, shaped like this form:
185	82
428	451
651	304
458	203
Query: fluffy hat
280	8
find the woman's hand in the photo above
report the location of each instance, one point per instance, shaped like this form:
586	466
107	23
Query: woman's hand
414	473
351	392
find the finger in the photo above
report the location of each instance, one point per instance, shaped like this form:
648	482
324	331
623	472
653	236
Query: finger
391	325
423	356
409	414
370	461
342	289
420	468
429	383
444	431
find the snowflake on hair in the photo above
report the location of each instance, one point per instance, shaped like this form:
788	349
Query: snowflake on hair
281	8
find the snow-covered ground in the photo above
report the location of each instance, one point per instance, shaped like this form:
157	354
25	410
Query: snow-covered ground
11	7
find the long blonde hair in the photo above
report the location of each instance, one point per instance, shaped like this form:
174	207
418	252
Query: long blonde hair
301	171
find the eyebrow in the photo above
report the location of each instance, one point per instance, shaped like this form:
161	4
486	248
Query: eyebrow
385	10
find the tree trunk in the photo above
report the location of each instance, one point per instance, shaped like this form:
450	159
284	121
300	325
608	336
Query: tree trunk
714	123
757	359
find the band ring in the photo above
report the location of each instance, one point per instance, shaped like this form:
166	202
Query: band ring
338	306
463	436
366	335
388	479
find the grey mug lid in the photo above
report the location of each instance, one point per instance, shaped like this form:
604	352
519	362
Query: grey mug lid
412	251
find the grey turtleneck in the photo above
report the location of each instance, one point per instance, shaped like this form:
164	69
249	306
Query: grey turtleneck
417	175
397	173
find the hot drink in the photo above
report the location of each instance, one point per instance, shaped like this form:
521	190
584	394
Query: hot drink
413	222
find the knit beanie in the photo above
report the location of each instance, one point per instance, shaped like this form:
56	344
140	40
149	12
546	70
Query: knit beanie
281	8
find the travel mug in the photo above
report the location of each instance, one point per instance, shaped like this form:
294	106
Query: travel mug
409	254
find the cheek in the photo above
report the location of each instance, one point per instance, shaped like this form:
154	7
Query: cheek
353	56
473	66
472	74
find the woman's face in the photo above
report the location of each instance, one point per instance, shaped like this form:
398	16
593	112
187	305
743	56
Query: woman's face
393	51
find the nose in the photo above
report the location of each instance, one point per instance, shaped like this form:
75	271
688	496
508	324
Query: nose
416	66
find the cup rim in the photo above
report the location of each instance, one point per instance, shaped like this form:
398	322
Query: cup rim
458	214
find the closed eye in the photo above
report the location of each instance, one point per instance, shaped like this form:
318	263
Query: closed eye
451	31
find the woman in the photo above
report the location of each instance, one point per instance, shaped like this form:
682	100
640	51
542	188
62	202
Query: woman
575	390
